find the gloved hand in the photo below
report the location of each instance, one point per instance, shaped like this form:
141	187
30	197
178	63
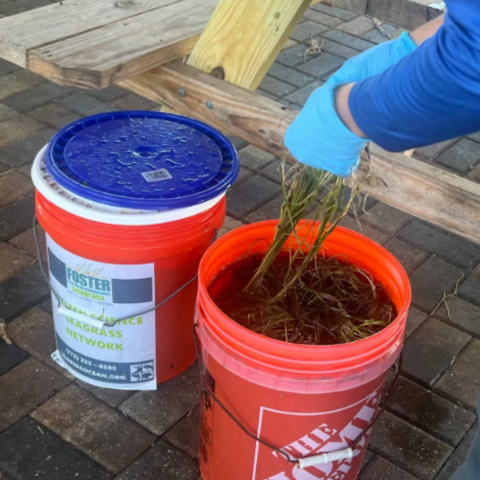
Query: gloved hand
318	137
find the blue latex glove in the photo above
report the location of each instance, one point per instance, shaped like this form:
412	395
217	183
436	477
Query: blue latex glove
318	137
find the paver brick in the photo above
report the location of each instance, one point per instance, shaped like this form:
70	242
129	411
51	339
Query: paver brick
34	333
385	218
307	30
184	435
7	67
109	94
275	87
408	447
22	292
322	65
269	211
434	278
19	6
24	151
26	242
461	314
13	186
475	174
470	289
452	248
24	387
430	152
17	128
369	456
12	261
228	225
250	195
381	469
430	412
289	75
462	380
162	461
461	157
431	349
322	18
414	320
376	36
36	96
359	227
409	256
253	158
110	396
301	96
334	11
337	49
161	409
98	430
6	113
348	40
458	456
238	143
292	57
289	44
29	451
132	101
10	356
18	81
358	26
16	217
83	105
274	171
53	115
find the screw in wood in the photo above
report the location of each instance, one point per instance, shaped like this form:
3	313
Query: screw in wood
209	104
182	92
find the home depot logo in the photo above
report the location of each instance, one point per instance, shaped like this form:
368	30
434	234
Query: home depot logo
323	438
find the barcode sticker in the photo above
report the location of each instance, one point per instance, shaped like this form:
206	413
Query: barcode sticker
157	175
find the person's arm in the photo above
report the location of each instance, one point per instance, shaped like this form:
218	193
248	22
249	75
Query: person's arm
431	95
419	36
318	137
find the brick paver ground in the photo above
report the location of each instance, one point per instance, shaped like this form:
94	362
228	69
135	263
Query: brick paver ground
55	427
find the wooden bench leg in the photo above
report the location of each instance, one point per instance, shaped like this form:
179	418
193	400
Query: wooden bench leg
243	38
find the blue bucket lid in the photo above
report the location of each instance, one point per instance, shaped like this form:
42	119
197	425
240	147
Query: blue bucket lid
142	160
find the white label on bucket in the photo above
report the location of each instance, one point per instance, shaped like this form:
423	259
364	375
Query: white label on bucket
121	356
306	438
157	175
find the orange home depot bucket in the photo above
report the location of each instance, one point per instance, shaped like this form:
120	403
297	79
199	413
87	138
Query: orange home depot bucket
129	201
304	400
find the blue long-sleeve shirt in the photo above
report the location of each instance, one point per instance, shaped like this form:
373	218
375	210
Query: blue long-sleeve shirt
431	95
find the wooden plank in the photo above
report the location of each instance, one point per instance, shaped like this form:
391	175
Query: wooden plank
243	39
407	14
103	56
435	195
41	26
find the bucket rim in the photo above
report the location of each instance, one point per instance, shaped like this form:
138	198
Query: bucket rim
301	355
90	210
142	159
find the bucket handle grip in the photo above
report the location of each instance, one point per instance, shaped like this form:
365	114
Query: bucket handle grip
86	318
308	460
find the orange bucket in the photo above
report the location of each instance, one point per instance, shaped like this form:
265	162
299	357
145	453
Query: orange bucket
302	400
129	202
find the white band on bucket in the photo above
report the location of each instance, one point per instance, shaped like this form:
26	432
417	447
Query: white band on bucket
98	212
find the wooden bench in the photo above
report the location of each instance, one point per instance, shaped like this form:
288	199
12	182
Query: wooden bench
139	44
